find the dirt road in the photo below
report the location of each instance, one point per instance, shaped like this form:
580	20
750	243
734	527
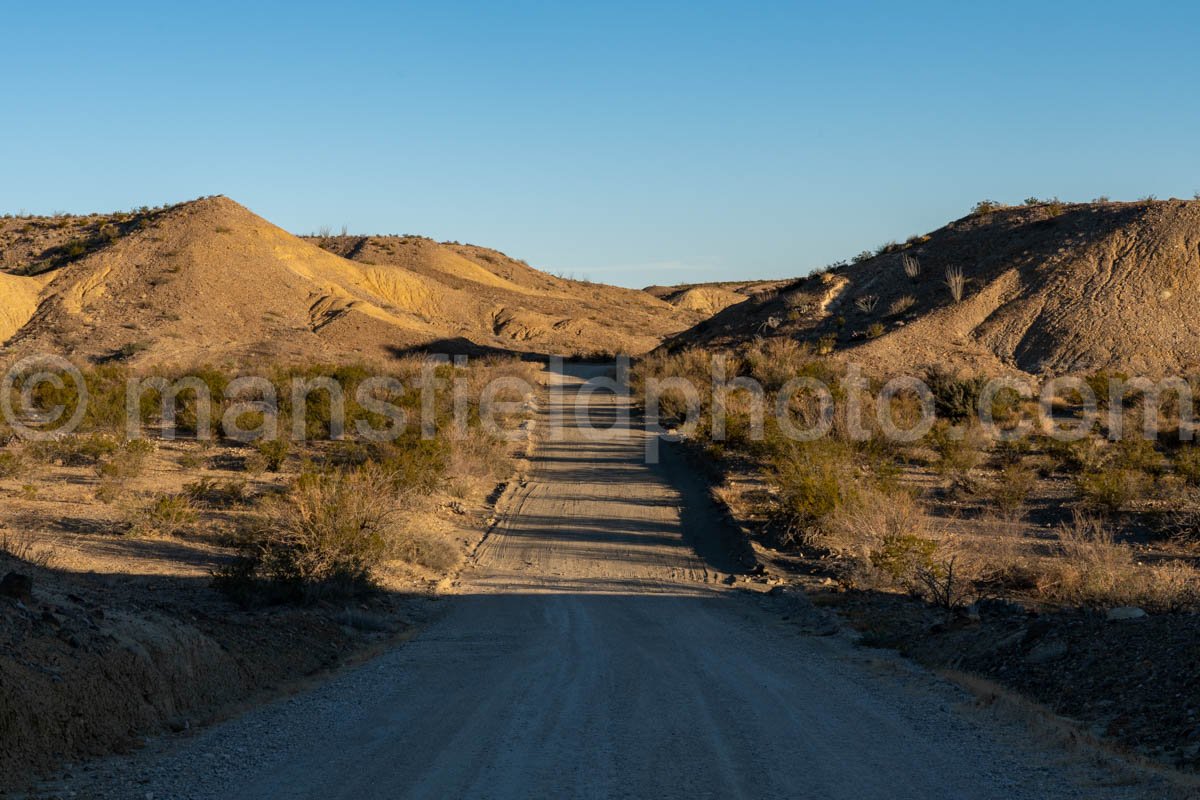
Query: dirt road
593	649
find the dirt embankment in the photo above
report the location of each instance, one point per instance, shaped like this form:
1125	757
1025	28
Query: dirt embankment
89	664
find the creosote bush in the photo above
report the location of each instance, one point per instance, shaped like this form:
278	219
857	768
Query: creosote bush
274	452
328	536
165	515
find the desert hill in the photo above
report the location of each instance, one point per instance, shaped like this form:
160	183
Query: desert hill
710	298
510	304
1047	287
208	280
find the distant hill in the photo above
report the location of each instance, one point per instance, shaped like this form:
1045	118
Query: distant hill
709	298
209	280
1048	287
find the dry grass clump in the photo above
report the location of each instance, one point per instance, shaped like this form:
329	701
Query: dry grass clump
1092	568
218	494
25	546
887	539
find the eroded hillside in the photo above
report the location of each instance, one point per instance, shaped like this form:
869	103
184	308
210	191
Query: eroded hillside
1046	287
209	280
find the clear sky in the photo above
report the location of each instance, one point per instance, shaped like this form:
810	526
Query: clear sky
629	143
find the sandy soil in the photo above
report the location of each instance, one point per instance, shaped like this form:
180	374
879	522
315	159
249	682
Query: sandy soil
595	649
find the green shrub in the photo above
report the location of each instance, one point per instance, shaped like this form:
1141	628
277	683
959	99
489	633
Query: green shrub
1012	488
1111	489
11	464
127	462
813	480
78	450
1187	463
955	399
959	449
274	452
902	556
1137	454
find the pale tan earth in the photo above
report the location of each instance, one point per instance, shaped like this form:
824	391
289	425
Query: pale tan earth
1050	289
209	281
593	648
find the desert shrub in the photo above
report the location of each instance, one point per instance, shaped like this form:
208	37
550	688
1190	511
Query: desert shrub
11	464
274	452
1136	454
1102	382
955	398
901	304
1085	455
76	450
875	330
1187	464
1011	489
959	449
127	462
165	515
866	303
1111	489
985	207
192	461
477	456
813	480
330	535
1012	451
411	462
217	493
901	556
884	538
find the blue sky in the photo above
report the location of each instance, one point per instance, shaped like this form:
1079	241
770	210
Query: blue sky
628	143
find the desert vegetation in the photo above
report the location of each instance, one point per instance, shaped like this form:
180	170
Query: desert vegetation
960	514
298	503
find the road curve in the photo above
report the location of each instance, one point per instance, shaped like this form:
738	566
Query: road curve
593	650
